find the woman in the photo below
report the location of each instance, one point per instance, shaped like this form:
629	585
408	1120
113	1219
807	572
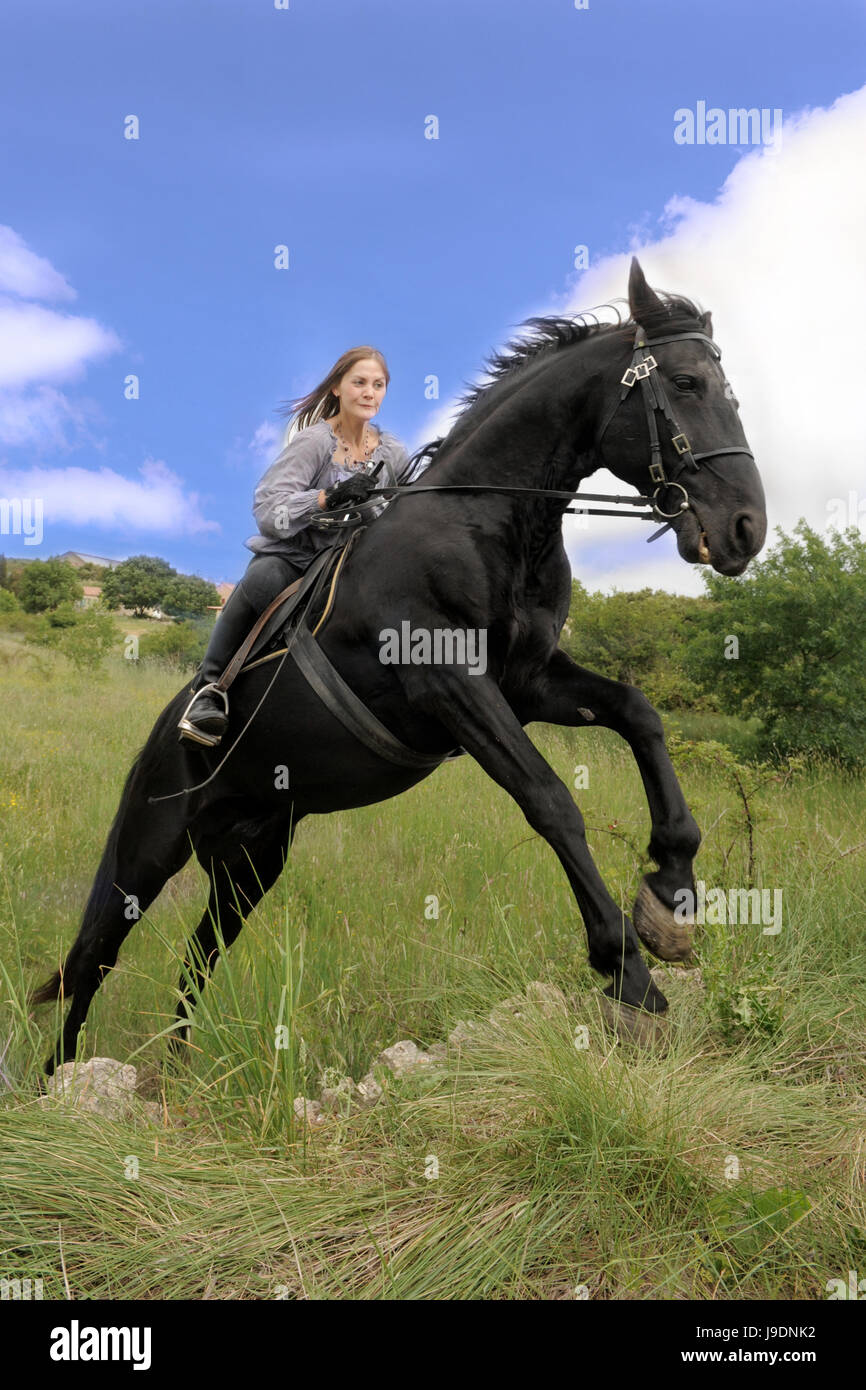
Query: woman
325	464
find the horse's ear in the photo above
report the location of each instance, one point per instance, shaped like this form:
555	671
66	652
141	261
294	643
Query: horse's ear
642	301
707	323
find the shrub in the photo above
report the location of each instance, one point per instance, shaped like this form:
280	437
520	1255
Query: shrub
799	662
180	646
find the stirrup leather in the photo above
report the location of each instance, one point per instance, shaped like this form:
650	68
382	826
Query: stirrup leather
189	729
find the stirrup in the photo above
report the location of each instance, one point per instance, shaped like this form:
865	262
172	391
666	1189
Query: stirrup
188	730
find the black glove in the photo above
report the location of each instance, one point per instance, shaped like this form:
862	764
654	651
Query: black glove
349	491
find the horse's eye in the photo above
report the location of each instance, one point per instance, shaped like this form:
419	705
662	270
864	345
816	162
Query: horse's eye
685	383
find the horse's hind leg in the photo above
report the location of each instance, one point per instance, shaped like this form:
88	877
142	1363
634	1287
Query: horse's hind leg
132	874
241	868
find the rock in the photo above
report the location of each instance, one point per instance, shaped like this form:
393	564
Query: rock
438	1052
634	1025
462	1033
369	1090
548	999
339	1096
665	974
101	1086
507	1010
403	1057
309	1110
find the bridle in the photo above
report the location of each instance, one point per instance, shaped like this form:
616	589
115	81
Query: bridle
655	401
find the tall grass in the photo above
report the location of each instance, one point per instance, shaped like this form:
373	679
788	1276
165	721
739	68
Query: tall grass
728	1163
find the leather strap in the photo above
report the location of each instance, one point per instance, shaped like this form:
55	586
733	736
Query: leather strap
304	582
655	401
412	490
343	703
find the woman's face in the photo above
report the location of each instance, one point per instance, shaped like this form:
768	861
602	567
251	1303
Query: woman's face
361	390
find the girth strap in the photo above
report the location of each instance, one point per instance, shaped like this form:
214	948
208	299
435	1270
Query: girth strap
326	681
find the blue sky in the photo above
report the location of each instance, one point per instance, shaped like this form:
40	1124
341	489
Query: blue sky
306	127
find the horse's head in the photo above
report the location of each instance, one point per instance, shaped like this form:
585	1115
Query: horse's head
671	428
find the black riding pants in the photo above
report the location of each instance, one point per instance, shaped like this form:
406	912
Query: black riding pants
266	576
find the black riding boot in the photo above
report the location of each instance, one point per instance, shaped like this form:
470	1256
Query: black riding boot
205	719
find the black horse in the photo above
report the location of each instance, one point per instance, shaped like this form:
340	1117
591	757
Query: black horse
574	396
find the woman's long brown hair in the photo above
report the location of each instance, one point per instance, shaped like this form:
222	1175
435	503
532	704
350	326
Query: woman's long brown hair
321	403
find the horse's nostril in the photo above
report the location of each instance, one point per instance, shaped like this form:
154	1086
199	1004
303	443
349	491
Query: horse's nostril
746	531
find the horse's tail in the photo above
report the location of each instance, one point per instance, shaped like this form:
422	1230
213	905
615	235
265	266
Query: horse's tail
62	982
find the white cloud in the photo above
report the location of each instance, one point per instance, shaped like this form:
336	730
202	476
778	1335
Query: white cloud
778	257
616	556
266	443
27	275
39	345
155	503
41	418
256	452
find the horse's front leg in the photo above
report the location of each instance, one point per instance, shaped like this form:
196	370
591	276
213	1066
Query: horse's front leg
568	694
480	719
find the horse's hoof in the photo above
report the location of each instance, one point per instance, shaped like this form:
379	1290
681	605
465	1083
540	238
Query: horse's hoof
633	1025
658	929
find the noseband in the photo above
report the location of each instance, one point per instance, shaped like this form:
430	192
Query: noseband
655	401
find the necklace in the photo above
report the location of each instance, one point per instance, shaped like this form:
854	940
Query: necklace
365	449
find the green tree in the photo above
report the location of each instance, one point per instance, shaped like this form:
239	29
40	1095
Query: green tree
186	595
91	573
639	638
44	584
137	583
786	641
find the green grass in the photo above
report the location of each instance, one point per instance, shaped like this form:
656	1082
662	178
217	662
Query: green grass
559	1169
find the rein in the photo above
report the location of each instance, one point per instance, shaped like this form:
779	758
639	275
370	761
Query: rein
655	400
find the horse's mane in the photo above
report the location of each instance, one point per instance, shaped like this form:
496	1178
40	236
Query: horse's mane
549	335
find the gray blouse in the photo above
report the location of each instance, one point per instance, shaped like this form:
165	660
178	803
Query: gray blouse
286	499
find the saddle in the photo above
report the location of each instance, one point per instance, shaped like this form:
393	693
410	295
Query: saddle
288	618
283	612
